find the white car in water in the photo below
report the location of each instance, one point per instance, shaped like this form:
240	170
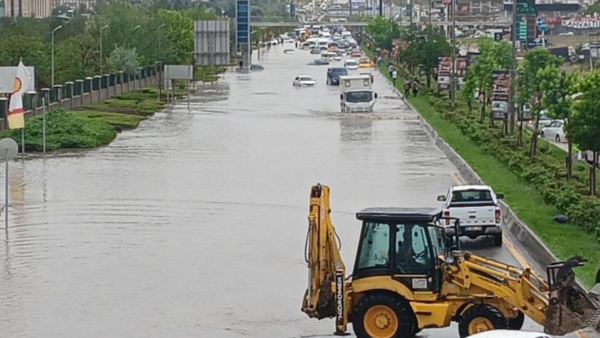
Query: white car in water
509	333
351	64
304	81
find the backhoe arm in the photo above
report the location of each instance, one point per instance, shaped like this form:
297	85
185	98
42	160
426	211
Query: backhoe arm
326	294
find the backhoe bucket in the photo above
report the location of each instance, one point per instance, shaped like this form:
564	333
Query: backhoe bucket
570	306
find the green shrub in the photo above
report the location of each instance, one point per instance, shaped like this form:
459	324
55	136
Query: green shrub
63	130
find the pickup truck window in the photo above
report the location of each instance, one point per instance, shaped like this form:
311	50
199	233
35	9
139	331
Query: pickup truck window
471	197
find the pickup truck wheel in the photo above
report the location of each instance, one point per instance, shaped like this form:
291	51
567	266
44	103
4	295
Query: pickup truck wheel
517	322
498	239
381	315
480	318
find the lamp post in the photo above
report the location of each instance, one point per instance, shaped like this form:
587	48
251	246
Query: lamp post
453	68
101	55
160	77
54	31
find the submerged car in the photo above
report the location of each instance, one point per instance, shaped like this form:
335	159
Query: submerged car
318	62
351	64
256	67
304	81
315	51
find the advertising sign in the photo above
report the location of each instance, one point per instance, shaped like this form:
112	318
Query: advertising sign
500	93
443	72
242	20
527	20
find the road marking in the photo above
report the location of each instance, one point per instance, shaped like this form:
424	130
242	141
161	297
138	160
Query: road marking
516	254
456	179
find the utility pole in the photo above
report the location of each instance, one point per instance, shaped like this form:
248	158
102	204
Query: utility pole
53	32
380	7
453	73
101	55
513	71
429	12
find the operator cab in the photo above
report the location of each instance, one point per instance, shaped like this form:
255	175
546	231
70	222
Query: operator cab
404	243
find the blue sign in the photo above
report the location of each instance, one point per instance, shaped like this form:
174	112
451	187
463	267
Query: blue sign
242	19
293	11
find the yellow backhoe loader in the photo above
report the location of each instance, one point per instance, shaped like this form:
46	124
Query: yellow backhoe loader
405	279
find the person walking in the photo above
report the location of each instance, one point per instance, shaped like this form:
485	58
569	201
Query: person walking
407	86
394	76
390	69
415	87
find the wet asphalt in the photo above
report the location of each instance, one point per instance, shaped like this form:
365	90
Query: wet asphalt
193	225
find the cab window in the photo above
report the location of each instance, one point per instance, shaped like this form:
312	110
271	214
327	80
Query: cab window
375	246
412	252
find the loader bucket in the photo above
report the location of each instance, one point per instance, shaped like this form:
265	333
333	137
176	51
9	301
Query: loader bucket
570	306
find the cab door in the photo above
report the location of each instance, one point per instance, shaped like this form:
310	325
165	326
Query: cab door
413	263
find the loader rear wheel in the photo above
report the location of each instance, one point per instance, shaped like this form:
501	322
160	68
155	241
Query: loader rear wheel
517	322
381	315
480	318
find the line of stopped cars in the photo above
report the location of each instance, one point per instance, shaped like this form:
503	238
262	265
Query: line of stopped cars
356	93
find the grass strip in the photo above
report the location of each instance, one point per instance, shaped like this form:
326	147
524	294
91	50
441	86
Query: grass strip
126	121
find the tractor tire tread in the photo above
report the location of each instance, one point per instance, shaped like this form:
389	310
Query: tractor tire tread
516	323
484	310
406	318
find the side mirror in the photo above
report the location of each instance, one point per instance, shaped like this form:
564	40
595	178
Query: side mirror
341	96
375	95
441	198
500	196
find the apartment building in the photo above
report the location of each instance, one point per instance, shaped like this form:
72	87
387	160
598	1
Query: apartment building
28	8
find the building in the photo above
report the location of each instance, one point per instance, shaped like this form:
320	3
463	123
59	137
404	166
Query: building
28	8
82	5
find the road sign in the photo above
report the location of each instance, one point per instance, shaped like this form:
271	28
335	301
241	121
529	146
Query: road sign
242	19
8	149
293	11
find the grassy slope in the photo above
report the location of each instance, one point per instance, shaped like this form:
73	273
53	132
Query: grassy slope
563	240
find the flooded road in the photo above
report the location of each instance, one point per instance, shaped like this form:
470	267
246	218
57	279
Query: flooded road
194	224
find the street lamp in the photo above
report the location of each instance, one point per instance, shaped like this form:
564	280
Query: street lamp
54	31
101	55
160	77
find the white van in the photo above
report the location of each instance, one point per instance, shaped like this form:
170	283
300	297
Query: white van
346	34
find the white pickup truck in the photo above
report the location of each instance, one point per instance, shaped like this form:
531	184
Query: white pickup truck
477	208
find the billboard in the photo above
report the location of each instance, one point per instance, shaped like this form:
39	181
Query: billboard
526	20
500	94
7	79
242	20
444	71
211	43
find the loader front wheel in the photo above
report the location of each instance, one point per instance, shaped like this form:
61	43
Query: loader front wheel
379	315
480	318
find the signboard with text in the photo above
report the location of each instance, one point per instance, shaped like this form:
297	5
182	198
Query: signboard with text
242	20
526	20
500	93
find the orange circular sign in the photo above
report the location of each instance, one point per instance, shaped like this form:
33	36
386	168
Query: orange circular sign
17	85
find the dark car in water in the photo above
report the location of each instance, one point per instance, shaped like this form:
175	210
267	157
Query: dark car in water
333	75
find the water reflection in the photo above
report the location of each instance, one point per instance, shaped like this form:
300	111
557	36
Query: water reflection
356	129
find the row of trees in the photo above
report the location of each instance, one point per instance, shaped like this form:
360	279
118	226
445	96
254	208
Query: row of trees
135	35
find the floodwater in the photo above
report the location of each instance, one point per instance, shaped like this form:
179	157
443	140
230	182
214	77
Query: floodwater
194	224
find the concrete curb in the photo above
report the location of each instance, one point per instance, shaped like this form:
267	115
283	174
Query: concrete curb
510	222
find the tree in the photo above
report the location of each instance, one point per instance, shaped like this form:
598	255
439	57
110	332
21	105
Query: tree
557	100
584	125
124	59
383	31
539	66
434	45
493	56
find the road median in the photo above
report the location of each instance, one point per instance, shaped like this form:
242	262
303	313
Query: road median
529	216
